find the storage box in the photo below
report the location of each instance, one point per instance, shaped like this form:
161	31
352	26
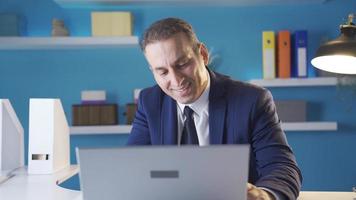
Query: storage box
11	25
111	23
292	110
86	115
130	112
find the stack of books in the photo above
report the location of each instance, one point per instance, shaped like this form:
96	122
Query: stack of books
94	110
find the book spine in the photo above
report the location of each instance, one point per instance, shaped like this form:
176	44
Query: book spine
300	66
268	50
284	55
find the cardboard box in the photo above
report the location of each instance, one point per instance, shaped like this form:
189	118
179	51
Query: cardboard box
111	23
131	109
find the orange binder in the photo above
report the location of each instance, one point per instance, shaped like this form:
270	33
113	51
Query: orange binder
284	55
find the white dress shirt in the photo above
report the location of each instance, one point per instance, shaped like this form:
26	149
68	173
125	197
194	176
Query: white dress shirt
200	116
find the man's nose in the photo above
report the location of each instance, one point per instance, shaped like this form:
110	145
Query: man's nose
176	78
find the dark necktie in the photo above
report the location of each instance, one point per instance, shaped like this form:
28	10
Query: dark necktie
189	134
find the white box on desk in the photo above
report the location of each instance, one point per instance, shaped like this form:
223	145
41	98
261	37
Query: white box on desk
48	150
11	138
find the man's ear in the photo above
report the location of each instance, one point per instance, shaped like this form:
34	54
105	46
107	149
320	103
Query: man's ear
204	53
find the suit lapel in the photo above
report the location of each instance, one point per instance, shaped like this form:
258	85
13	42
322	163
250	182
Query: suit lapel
217	109
169	120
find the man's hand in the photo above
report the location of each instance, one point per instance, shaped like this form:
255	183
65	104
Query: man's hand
254	193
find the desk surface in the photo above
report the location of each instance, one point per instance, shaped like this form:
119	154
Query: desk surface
33	187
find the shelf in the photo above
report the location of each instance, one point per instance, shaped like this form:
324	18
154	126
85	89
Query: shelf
69	3
18	43
296	82
93	130
126	129
309	126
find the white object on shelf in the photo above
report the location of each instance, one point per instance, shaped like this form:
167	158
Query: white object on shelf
16	43
183	2
92	130
93	95
309	126
296	82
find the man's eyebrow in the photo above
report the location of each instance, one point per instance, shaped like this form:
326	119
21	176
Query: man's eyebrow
158	68
179	59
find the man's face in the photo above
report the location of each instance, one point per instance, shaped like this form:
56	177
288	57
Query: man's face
178	67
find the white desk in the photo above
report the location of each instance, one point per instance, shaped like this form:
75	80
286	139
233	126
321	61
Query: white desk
33	187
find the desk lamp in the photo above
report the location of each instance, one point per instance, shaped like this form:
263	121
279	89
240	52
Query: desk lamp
339	55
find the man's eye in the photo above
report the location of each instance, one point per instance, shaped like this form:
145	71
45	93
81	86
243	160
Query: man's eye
163	73
182	65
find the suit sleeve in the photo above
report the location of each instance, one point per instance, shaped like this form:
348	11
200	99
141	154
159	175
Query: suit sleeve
140	131
276	164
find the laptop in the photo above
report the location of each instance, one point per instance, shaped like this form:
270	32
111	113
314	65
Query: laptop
164	172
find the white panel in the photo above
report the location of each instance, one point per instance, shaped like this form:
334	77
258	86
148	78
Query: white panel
191	2
61	138
296	82
48	132
92	130
66	42
11	138
309	126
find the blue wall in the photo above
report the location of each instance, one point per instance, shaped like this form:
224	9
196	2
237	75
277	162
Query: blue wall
327	159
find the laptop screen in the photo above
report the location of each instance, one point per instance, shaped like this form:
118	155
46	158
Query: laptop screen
164	172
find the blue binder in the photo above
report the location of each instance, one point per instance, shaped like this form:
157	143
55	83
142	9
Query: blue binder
300	44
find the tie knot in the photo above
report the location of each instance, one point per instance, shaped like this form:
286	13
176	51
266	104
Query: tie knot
188	112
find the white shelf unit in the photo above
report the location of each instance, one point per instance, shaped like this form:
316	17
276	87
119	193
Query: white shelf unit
126	129
296	82
69	3
94	130
33	43
309	126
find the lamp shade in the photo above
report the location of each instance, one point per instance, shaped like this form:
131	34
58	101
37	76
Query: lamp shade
339	55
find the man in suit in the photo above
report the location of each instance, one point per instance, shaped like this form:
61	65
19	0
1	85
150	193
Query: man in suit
222	110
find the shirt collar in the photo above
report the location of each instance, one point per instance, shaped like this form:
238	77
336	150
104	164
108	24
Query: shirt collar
201	103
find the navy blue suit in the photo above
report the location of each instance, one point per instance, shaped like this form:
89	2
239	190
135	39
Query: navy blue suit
239	113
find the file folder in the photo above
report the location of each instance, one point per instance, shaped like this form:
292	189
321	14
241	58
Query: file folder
11	138
300	66
48	150
269	57
284	55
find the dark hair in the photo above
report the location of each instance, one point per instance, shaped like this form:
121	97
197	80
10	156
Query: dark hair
166	28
